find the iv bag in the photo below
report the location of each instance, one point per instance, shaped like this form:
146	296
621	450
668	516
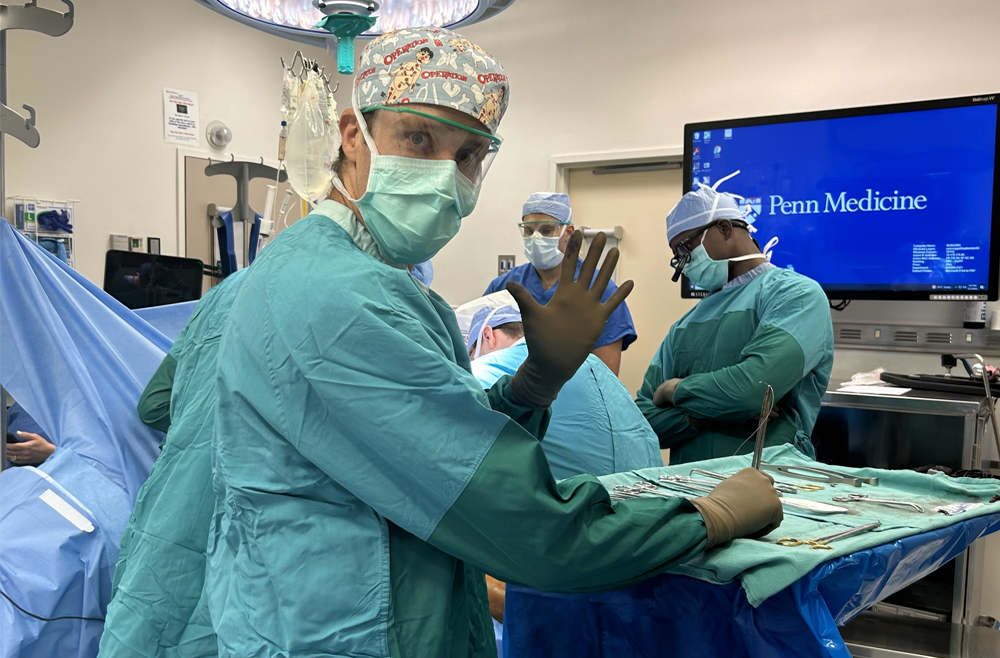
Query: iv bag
308	155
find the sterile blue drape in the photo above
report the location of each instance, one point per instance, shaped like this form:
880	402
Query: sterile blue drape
169	320
77	361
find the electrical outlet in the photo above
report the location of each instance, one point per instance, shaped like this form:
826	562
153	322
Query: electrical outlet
505	264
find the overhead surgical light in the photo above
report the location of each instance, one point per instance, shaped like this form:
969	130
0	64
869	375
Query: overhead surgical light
299	19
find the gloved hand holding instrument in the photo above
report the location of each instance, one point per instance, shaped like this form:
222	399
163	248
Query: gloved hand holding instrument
743	505
562	333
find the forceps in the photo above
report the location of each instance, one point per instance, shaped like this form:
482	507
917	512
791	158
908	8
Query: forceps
784	487
863	498
638	489
822	543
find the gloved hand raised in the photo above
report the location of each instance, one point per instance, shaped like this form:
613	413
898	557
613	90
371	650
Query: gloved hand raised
562	333
743	505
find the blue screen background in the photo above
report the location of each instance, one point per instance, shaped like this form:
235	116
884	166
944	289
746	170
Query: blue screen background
946	155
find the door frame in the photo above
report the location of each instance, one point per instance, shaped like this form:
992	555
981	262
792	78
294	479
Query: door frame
561	165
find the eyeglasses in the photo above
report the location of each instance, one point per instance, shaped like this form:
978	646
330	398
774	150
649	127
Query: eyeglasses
544	229
416	134
682	253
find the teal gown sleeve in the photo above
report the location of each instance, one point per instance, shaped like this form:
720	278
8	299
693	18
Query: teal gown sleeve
670	424
154	403
780	353
371	394
518	524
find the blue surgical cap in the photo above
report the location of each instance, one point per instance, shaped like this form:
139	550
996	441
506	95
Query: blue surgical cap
694	210
423	272
486	316
553	204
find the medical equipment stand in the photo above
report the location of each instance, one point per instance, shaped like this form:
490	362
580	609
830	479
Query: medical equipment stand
244	172
21	17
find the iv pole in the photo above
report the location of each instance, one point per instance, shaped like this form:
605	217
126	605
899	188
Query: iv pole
21	17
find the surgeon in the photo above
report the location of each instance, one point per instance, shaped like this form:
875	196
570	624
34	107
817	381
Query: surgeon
759	324
595	426
364	479
157	609
546	226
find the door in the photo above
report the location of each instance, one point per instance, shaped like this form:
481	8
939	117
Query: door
639	203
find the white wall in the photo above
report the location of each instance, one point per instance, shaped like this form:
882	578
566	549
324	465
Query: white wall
586	75
592	75
98	91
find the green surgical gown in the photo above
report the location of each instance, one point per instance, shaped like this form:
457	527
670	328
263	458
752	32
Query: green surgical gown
365	481
775	328
157	609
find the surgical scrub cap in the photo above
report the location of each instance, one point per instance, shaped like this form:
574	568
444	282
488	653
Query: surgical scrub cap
487	317
694	210
549	203
434	66
423	272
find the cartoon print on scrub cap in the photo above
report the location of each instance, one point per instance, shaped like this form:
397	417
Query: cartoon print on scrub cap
434	66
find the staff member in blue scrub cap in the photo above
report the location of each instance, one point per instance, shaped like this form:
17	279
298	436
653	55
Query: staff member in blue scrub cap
546	226
595	428
759	324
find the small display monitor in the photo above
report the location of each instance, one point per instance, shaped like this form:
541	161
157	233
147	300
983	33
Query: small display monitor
140	280
893	202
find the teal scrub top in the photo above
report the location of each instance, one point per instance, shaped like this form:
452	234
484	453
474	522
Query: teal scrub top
595	426
365	481
157	609
772	325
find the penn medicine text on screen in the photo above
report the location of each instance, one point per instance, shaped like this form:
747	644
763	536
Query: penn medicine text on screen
871	202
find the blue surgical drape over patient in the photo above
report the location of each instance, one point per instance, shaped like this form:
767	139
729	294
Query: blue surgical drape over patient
76	360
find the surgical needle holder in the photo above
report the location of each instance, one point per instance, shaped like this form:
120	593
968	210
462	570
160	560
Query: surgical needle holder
765	413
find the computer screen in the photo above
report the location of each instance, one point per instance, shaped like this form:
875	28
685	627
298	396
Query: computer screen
141	280
887	202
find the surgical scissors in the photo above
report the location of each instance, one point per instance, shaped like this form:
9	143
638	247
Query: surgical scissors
823	543
863	498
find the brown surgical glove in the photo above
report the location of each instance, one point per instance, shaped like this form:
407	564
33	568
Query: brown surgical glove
561	334
743	505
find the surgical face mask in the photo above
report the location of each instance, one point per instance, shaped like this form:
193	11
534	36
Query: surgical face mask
413	206
710	274
543	252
